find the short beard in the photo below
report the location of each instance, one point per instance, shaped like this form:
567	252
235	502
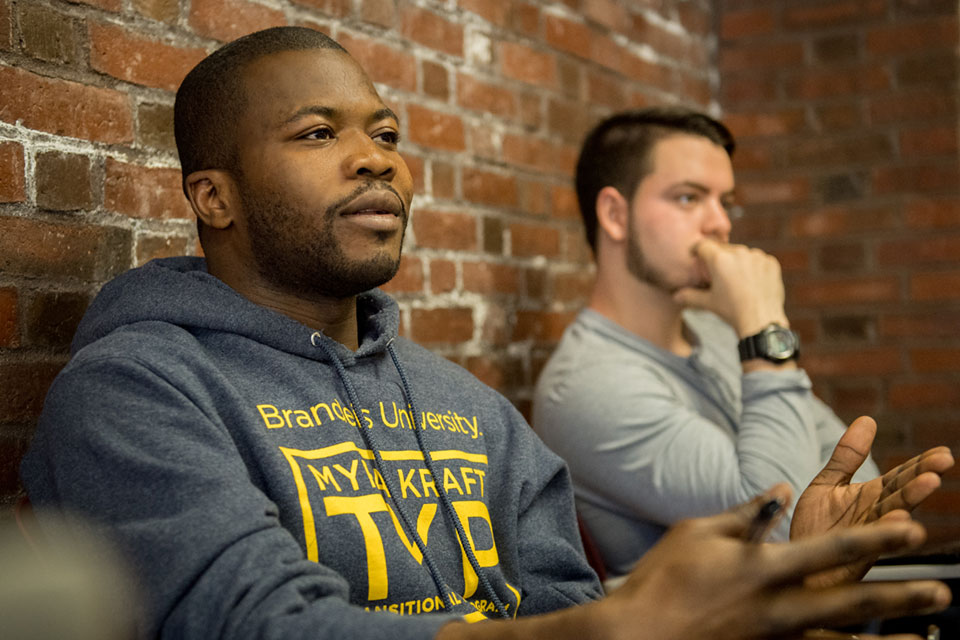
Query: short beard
637	264
309	264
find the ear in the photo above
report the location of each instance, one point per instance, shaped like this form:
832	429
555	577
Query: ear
612	213
213	196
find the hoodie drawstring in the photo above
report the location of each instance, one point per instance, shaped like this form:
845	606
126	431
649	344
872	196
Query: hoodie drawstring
317	339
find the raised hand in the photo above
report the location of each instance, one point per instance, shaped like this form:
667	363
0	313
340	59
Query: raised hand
830	502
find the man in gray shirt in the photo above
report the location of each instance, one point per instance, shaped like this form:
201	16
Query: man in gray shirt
658	413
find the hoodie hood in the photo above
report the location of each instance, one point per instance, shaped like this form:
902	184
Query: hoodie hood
180	291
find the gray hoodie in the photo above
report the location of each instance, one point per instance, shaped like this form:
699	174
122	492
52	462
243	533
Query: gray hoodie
266	482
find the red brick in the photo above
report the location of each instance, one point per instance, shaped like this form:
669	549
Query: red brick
862	399
150	247
534	198
836	48
606	89
435	129
917	178
664	42
9	318
497	324
939	323
433	326
572	286
486	187
487	278
332	8
109	5
576	249
382	63
747	22
497	13
827	151
942	248
747	124
563	203
916	395
524	17
774	191
502	376
793	260
542	326
23	386
911	37
493	236
696	19
752	156
872	361
925	7
932	433
839	116
607	53
63	181
935	286
64	108
12	180
49	35
443	276
929	141
831	13
6	33
846	291
434	80
51	318
409	278
696	87
528	240
484	142
530	110
818	84
487	97
226	20
937	360
569	120
528	151
913	105
933	213
566	35
145	192
443	180
31	247
761	55
160	10
836	221
937	69
432	31
520	62
606	12
444	230
380	12
749	87
140	60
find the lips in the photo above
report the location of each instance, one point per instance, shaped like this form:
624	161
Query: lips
380	202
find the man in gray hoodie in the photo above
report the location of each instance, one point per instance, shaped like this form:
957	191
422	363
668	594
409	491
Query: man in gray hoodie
276	462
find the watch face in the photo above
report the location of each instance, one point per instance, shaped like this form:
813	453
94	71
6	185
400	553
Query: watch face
781	343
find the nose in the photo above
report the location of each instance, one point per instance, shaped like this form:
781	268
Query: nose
716	221
367	159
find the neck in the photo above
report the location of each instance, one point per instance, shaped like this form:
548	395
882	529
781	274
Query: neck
334	317
640	308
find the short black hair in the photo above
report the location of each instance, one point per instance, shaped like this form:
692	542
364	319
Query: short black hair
617	152
211	99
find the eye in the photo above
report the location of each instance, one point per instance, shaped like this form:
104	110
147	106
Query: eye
390	138
687	199
323	133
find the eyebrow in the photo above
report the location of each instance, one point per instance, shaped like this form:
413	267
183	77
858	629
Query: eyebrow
701	188
330	112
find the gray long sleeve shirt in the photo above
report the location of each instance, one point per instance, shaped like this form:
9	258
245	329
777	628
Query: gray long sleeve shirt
652	437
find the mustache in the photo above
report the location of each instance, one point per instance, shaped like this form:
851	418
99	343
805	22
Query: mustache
342	203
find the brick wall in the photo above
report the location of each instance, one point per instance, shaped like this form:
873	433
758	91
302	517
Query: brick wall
494	97
847	112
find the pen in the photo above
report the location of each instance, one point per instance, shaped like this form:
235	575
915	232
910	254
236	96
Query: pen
761	522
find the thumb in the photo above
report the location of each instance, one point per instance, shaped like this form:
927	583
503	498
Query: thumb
850	452
692	297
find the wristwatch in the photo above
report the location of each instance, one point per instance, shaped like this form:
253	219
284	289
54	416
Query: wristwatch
775	343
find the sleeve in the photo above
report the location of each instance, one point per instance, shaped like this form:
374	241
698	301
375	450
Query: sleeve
555	574
634	446
121	445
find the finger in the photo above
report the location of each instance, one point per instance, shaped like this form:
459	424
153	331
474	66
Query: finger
938	460
843	547
738	520
827	634
851	450
798	608
910	496
691	297
706	249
